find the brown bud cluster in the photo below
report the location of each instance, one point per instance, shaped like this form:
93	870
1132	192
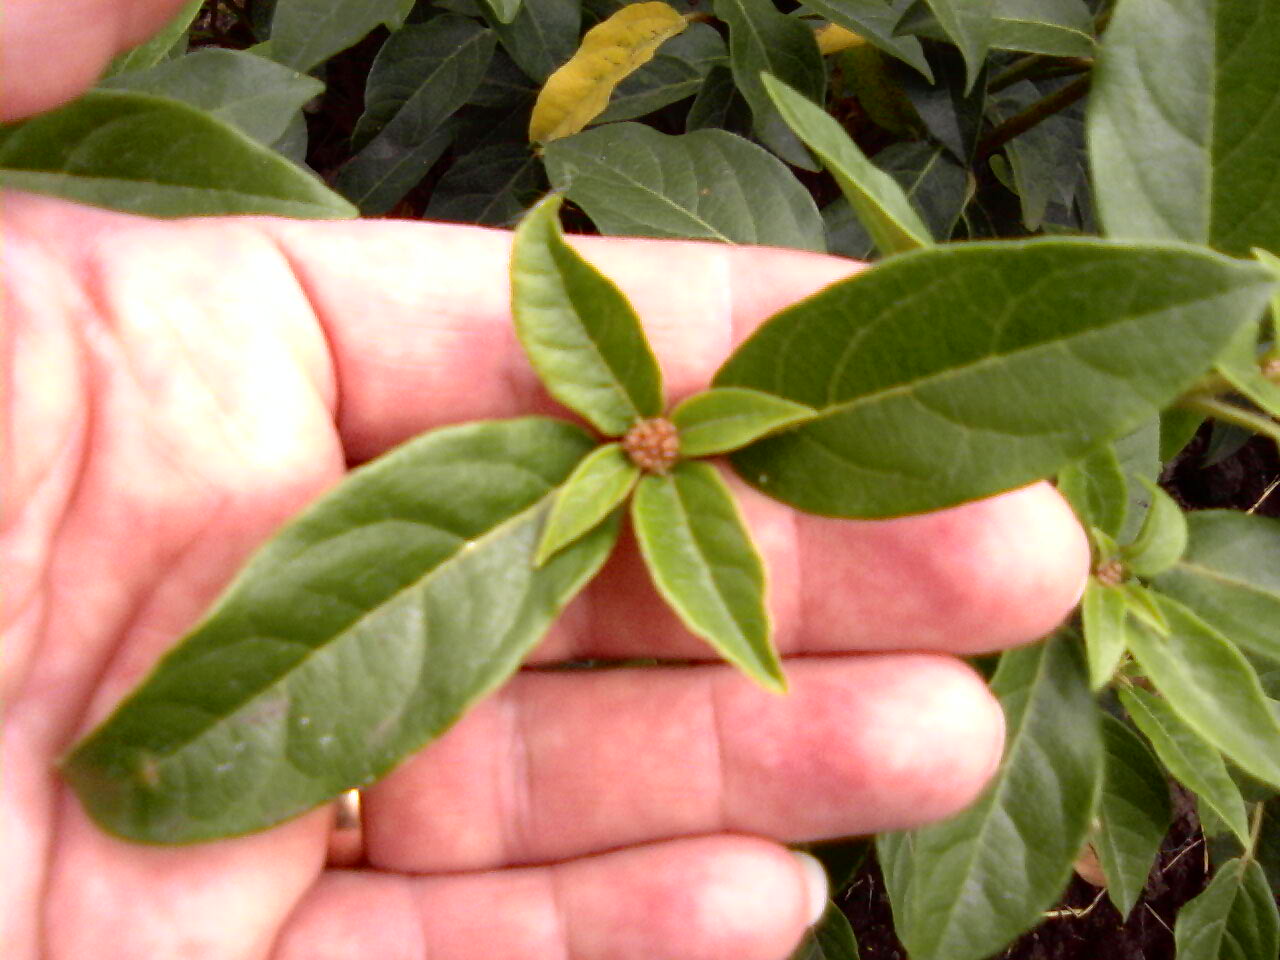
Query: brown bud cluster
1112	572
653	445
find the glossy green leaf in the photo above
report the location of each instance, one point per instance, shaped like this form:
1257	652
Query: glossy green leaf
1240	364
717	421
1096	488
762	40
492	185
880	203
156	156
877	21
1192	760
542	35
258	96
1133	814
1102	614
935	184
504	10
597	485
1162	538
831	938
633	181
954	372
1190	82
1212	687
963	888
1234	919
170	41
969	24
1230	576
703	563
581	335
427	74
305	33
361	631
677	71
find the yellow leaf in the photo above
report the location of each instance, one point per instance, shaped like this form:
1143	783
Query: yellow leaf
833	38
611	50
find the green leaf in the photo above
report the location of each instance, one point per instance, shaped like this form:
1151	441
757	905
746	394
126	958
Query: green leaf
1234	919
1057	28
597	485
1162	538
430	72
492	185
305	33
542	35
1212	687
676	72
1133	813
1192	82
1239	363
954	372
633	181
969	24
1230	576
963	888
703	563
156	156
1178	427
170	41
954	116
1196	764
880	203
504	10
256	95
1139	454
877	21
1096	488
719	105
935	184
580	333
1102	616
1144	605
717	421
1043	158
762	40
363	630
830	939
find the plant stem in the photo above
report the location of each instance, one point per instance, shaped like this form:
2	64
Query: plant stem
1036	113
1255	829
1031	66
1230	413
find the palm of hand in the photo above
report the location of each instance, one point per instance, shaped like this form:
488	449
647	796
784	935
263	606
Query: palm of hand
173	399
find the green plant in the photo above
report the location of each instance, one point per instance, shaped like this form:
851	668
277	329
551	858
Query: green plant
947	372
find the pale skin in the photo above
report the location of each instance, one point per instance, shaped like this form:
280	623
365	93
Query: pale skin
173	391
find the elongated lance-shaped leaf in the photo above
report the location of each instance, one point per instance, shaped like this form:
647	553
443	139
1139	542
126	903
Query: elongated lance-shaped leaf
634	181
170	41
764	40
703	563
963	888
1162	537
156	156
831	938
877	21
726	418
1230	576
875	196
1096	488
305	33
504	10
1102	615
597	485
1193	83
1188	756
360	632
969	24
542	35
923	367
1234	919
678	70
581	335
1212	687
1143	604
611	50
1133	814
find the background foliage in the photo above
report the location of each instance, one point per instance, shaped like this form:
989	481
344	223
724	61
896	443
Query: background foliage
1142	736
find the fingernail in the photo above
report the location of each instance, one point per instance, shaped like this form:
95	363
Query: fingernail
815	882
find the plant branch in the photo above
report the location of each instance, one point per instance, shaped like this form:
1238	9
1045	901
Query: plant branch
1230	413
1039	65
1036	113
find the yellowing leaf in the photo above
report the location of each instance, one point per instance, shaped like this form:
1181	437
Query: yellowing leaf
612	50
833	38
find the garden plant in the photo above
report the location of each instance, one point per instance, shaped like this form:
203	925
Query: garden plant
1072	211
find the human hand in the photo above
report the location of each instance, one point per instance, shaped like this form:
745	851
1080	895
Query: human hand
175	390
